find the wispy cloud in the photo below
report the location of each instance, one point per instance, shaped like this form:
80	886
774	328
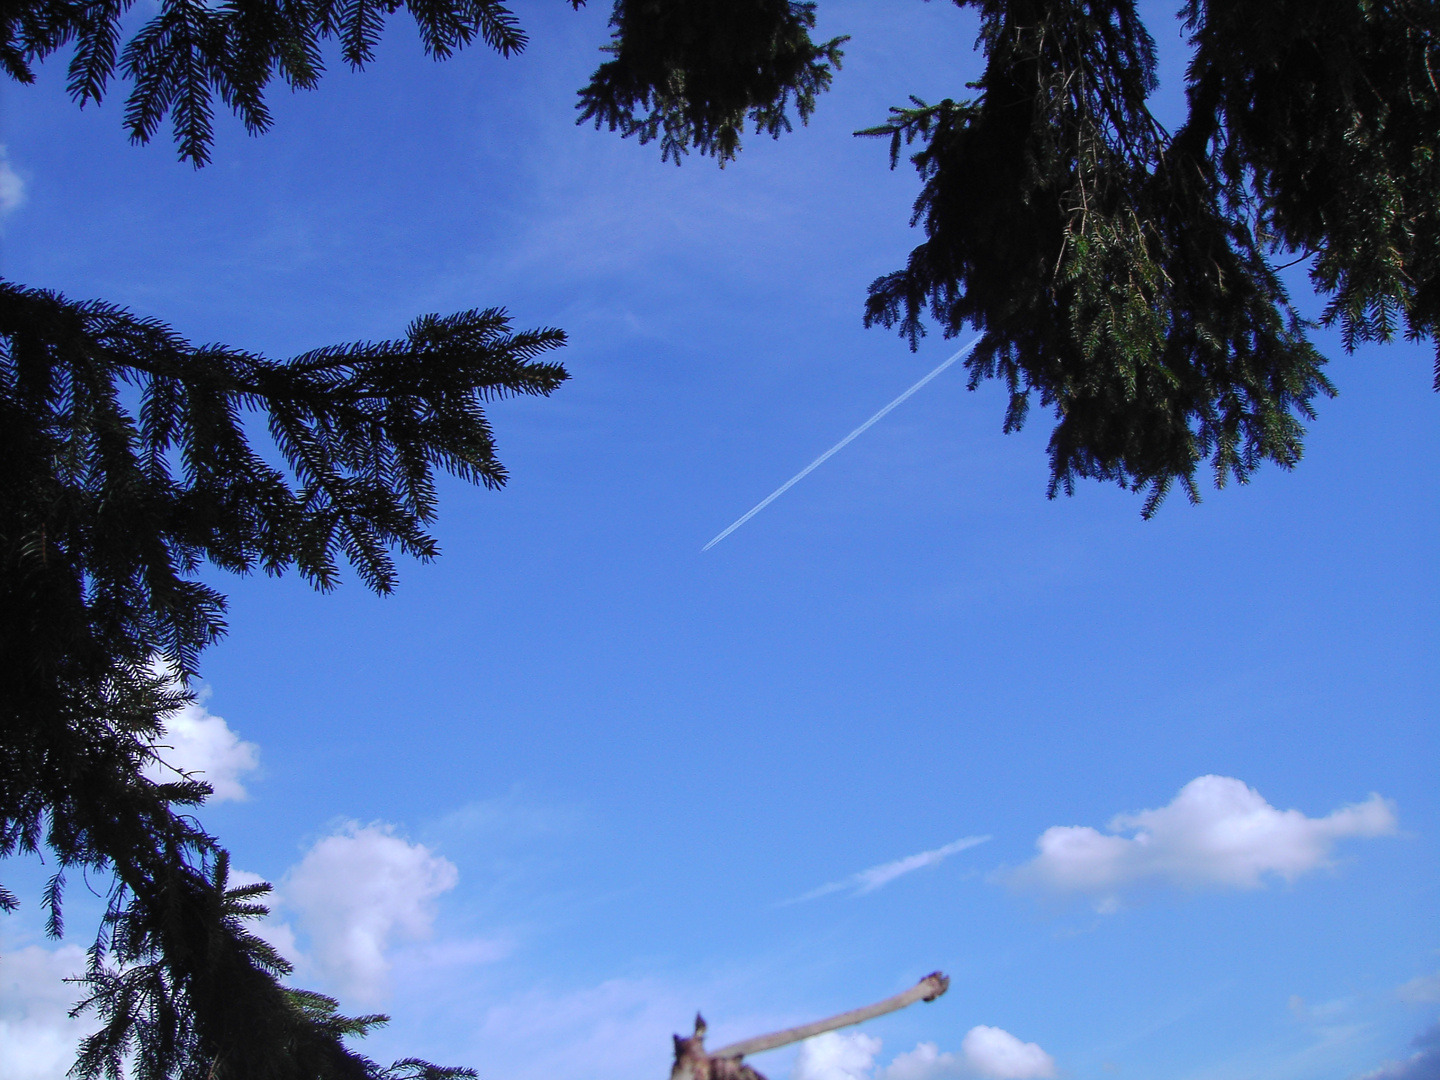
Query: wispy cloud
12	188
1421	990
513	817
877	877
1423	1064
621	1027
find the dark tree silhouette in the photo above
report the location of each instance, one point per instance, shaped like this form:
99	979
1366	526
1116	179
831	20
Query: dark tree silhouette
1122	275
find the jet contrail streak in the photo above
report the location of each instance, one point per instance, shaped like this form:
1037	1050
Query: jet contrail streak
837	447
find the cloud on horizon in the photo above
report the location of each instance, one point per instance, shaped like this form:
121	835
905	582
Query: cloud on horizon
986	1053
878	877
1218	832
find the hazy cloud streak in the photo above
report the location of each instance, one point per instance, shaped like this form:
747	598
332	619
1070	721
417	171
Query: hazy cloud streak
1424	1064
879	876
12	188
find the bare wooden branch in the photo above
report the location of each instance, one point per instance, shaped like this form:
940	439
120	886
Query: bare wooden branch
693	1063
927	989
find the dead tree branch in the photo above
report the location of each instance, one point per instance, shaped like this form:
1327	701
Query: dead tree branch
693	1063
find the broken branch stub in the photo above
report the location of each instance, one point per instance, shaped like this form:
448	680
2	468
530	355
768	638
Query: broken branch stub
693	1063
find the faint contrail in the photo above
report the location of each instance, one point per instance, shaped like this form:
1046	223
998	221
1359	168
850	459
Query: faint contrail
877	877
837	447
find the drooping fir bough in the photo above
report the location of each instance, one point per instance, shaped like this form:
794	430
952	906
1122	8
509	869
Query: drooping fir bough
105	514
1125	277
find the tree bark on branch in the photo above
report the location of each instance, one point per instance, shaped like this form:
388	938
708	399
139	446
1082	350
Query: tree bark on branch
693	1063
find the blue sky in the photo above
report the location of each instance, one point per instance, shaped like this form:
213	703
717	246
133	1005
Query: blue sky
572	781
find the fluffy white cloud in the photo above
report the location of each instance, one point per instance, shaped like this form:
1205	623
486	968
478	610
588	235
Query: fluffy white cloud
995	1053
1218	832
925	1062
836	1055
37	1037
986	1052
198	742
12	188
1424	1064
354	894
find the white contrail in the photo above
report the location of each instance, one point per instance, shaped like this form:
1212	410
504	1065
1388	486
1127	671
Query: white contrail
837	447
877	877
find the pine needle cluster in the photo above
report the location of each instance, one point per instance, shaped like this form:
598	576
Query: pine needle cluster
691	73
192	52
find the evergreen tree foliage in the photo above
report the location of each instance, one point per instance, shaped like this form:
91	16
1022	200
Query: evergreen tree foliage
691	73
129	463
191	51
1123	275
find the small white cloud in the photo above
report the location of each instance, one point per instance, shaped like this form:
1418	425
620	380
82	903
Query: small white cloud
199	743
1424	1064
355	893
1218	833
1421	990
836	1055
37	1036
925	1062
986	1053
996	1054
12	188
879	876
